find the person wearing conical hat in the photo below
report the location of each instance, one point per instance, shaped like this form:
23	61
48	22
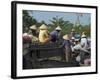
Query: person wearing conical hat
80	46
33	33
33	28
43	34
67	47
84	41
55	34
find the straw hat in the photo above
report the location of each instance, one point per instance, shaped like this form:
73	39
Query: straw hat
83	35
33	27
43	26
58	28
66	37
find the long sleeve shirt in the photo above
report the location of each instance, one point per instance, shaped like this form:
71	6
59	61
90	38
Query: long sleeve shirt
43	36
54	36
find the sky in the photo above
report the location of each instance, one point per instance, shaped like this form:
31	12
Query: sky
67	16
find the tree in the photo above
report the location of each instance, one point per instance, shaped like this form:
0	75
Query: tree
57	22
27	20
65	25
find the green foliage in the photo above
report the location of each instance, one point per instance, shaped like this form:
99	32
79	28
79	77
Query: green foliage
27	20
58	22
79	29
65	25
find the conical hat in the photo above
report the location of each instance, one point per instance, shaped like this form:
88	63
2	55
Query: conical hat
43	26
33	27
58	28
66	37
83	35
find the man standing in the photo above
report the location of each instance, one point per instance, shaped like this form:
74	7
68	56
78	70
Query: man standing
55	34
33	33
84	41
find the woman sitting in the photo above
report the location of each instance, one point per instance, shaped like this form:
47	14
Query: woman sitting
44	34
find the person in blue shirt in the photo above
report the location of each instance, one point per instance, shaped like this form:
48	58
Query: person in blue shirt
55	34
67	47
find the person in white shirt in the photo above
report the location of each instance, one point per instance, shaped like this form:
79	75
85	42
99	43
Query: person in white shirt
78	47
84	41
